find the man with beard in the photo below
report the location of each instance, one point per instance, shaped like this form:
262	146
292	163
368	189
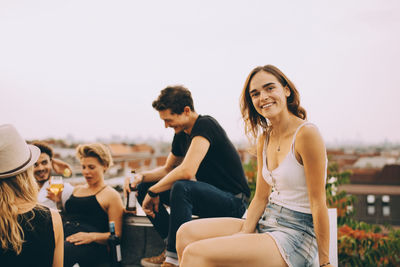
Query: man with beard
42	172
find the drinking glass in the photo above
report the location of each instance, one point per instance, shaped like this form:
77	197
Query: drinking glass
56	185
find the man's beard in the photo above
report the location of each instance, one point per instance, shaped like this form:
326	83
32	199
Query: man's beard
42	181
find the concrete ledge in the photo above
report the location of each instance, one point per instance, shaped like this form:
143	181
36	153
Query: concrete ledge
139	240
137	220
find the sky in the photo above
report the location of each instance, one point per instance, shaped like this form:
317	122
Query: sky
91	69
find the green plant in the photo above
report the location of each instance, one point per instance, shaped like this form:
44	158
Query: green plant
357	247
359	243
339	199
250	170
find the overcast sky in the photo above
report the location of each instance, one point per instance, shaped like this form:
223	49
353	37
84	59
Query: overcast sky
92	68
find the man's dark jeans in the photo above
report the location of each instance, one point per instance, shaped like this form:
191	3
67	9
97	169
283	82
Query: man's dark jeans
187	198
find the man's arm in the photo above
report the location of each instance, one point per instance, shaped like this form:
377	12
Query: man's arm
158	173
187	170
61	167
153	175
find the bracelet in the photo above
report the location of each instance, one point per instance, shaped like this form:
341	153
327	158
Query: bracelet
152	194
325	264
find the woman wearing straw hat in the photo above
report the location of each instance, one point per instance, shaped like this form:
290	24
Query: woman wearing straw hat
30	234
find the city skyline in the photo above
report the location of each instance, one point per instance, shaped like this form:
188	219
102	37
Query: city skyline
90	69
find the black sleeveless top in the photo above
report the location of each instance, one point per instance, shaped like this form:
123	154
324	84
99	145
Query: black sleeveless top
88	212
38	248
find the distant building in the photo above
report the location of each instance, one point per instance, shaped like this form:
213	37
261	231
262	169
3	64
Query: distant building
378	194
344	160
377	162
135	157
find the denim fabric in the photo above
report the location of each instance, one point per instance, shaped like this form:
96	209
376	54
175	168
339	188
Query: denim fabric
293	233
187	198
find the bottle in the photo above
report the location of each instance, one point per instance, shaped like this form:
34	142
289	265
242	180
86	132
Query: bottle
114	245
131	196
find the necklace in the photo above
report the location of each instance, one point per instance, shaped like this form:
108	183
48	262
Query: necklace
279	143
279	139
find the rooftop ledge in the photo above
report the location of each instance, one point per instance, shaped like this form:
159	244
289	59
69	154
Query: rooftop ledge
362	189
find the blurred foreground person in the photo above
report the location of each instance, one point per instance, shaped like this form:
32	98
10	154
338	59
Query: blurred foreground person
287	222
89	210
30	234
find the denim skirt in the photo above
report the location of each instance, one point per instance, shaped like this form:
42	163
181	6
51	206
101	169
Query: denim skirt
293	233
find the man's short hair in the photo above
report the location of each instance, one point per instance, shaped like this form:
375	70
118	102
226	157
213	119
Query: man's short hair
175	98
44	148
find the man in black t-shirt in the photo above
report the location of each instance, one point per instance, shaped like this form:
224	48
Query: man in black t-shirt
202	176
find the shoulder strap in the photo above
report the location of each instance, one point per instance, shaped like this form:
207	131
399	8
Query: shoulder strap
101	189
297	130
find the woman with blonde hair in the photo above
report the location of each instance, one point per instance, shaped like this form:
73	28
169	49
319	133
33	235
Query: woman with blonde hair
287	221
30	234
90	209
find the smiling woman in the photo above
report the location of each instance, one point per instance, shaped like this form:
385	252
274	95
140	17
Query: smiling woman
269	81
90	209
290	188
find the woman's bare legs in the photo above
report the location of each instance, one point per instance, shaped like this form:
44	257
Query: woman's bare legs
205	228
214	242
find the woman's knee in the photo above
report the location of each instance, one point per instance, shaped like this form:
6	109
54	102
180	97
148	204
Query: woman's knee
183	236
190	252
192	256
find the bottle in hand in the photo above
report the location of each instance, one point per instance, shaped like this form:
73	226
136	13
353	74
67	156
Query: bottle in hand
114	244
131	196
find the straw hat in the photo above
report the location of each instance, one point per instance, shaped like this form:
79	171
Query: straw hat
15	154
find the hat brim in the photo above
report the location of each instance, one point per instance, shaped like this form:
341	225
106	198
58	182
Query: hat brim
35	153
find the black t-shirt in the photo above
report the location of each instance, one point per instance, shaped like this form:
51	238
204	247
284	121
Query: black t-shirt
221	165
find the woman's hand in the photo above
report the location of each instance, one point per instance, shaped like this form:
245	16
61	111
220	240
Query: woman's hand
81	238
245	231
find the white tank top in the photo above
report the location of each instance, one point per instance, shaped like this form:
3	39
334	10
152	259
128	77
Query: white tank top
288	180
